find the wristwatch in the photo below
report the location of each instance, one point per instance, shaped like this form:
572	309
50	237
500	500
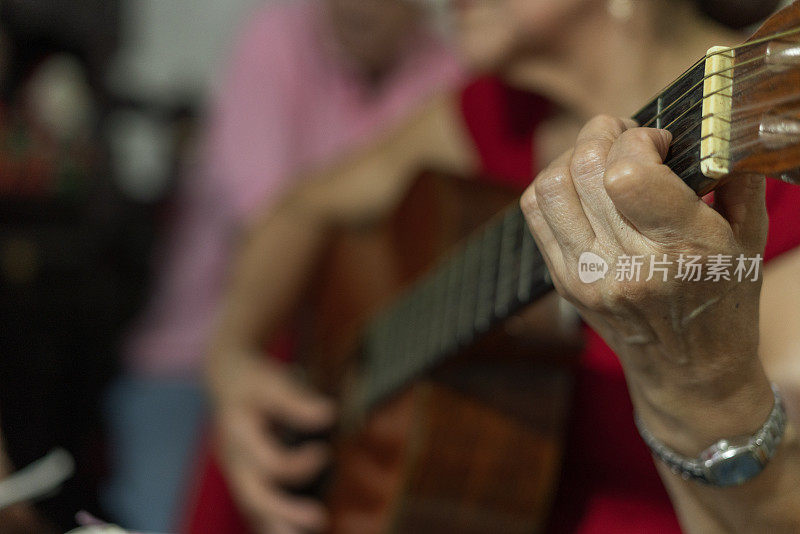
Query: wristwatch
728	462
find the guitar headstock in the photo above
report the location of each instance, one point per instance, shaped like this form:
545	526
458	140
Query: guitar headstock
764	96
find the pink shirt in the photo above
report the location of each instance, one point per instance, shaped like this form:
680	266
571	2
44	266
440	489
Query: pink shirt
289	102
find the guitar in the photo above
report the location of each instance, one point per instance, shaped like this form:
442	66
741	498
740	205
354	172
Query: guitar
446	426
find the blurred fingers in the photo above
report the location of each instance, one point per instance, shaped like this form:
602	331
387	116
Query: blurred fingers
271	509
294	404
250	442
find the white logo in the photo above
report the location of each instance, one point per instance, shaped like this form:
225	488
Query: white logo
591	267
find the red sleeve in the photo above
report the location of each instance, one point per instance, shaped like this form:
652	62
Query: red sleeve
211	509
783	201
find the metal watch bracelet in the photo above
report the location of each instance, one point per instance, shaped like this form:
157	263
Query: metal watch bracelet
728	462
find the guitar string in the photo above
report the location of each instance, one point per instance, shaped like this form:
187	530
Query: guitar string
732	139
702	81
735	128
692	126
734	94
760	40
694	167
701	61
742	46
392	368
745	109
758	72
739	148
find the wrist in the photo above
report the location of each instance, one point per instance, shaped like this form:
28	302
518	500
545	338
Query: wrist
689	419
224	372
730	461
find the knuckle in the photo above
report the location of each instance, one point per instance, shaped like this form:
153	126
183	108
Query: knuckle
584	296
550	184
617	297
607	123
640	136
633	294
623	175
588	158
527	201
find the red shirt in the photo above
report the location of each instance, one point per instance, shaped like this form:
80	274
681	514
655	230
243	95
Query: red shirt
609	482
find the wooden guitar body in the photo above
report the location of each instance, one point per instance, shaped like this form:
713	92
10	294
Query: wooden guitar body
474	445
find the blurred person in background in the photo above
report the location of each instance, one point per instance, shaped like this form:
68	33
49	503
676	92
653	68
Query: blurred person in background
552	66
62	292
307	81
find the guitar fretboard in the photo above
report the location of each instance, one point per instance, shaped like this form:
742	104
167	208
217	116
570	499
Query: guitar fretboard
679	109
499	270
496	272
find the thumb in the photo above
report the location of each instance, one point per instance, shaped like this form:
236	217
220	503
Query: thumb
291	402
741	201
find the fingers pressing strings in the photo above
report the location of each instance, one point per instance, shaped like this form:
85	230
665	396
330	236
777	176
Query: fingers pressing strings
587	168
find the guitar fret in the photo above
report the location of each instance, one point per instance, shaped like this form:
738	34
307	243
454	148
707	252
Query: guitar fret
377	354
686	140
384	343
438	310
394	335
404	330
685	93
487	277
508	276
647	113
418	325
449	339
466	311
527	259
425	319
651	114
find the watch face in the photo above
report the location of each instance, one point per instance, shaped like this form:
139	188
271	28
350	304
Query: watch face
733	467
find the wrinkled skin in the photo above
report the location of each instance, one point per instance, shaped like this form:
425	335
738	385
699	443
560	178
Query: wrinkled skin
681	343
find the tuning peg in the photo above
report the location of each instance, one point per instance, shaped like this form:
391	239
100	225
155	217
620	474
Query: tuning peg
783	54
779	131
